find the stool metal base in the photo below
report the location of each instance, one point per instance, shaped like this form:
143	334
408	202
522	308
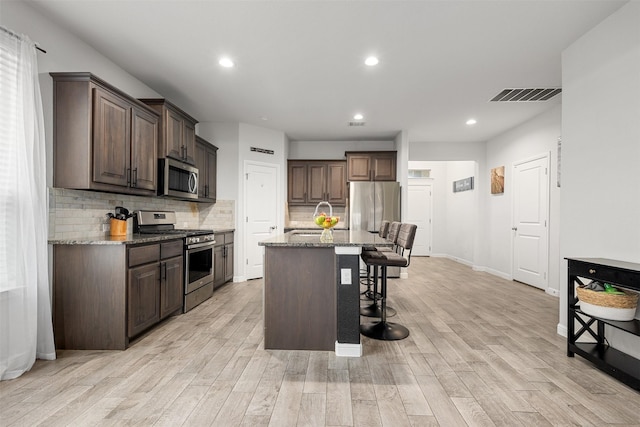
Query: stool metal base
385	331
374	310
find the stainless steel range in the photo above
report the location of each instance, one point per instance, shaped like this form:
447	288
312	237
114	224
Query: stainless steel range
198	253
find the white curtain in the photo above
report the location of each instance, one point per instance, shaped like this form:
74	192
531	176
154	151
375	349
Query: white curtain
26	331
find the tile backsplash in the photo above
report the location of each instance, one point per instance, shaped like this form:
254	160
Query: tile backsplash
78	213
302	216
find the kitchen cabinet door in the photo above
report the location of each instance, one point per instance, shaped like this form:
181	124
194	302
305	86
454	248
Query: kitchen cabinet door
337	183
212	170
111	138
171	287
218	265
359	167
316	182
173	123
144	146
384	166
188	141
206	160
371	165
143	297
297	183
228	261
177	131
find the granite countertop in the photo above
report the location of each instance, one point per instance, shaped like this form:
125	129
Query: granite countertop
129	239
340	238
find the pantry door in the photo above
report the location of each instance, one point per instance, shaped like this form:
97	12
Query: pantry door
261	213
530	228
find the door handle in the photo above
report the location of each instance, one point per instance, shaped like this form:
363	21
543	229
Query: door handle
514	228
273	227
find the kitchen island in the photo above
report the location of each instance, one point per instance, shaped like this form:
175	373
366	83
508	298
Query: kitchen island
311	290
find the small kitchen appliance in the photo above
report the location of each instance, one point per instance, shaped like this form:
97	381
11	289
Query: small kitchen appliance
198	253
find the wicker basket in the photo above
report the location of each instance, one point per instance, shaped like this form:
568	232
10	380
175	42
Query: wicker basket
606	305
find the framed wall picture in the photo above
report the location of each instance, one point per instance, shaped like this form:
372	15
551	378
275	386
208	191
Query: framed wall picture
497	180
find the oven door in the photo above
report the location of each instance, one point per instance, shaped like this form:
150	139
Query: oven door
198	268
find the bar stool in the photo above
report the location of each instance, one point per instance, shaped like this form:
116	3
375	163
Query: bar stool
384	330
382	232
373	309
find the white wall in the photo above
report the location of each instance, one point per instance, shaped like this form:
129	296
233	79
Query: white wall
65	52
333	150
234	142
225	136
454	221
537	136
462	211
600	206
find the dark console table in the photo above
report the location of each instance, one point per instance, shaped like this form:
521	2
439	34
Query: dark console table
614	362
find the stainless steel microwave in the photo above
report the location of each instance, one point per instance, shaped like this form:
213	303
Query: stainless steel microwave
177	179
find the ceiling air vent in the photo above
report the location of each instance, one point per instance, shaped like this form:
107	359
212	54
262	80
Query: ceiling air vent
521	95
356	123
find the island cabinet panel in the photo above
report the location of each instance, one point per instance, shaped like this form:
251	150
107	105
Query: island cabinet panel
300	298
103	139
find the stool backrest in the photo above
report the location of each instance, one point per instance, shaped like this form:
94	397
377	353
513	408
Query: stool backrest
406	236
384	229
394	228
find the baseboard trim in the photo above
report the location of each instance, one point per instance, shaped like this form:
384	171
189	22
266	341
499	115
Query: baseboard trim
348	350
561	330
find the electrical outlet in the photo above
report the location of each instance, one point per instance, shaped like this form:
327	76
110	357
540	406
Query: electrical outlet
345	276
106	227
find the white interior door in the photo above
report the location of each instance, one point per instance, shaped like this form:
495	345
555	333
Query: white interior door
261	214
530	221
419	213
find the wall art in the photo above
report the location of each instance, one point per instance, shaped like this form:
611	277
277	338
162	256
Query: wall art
497	180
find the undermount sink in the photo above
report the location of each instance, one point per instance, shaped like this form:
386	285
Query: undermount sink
307	233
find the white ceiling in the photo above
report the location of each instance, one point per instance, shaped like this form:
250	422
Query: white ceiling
299	64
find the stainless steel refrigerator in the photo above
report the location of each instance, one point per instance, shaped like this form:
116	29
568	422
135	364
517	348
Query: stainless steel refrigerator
370	203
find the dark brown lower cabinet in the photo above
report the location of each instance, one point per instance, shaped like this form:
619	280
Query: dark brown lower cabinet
104	295
144	298
223	258
171	288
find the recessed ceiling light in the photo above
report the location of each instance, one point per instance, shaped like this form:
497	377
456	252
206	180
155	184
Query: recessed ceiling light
226	62
371	61
358	117
471	122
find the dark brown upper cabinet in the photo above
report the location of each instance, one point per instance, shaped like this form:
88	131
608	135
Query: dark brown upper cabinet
314	181
177	131
371	165
206	162
103	139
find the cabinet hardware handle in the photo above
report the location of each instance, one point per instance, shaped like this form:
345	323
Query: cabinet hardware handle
128	176
135	177
206	190
592	271
514	228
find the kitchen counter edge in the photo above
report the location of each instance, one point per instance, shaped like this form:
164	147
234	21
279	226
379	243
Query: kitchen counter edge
131	239
340	238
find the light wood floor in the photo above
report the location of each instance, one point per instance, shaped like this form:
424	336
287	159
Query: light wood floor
482	351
